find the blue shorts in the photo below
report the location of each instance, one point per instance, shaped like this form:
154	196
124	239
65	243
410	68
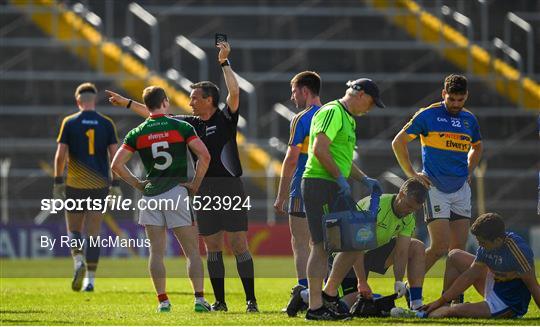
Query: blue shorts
296	207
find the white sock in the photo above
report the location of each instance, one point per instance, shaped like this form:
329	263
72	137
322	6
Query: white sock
200	299
78	259
415	304
305	295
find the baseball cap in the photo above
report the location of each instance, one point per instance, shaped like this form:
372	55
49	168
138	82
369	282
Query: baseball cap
368	86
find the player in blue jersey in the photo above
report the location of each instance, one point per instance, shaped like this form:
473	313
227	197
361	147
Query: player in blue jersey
502	271
87	140
305	88
451	149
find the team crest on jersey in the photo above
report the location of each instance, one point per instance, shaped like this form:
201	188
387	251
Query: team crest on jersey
466	123
437	208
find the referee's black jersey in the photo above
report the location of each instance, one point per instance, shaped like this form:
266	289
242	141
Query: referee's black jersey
219	135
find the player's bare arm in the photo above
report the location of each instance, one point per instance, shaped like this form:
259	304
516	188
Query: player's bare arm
233	98
399	145
529	278
474	156
120	101
60	159
119	167
357	173
321	150
400	257
363	286
462	283
287	171
59	187
203	160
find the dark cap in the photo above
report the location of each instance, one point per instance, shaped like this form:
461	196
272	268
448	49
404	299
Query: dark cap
369	87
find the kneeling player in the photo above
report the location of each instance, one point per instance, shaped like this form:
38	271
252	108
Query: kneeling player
502	271
395	227
162	143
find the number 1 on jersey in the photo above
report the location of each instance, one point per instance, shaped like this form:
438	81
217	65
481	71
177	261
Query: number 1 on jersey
91	138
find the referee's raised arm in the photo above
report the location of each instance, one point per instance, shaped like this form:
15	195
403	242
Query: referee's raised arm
233	98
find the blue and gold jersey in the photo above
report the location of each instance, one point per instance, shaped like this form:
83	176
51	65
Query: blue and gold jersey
507	263
300	137
88	135
446	140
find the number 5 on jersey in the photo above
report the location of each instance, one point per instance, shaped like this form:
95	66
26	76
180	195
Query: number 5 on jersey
156	153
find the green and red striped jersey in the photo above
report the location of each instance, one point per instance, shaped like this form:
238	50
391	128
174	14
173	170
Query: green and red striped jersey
161	142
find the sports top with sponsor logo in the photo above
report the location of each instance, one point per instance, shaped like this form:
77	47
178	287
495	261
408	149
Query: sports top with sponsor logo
299	137
161	142
507	263
219	135
88	135
389	225
338	124
446	140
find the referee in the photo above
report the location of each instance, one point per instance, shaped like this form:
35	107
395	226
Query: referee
332	139
217	129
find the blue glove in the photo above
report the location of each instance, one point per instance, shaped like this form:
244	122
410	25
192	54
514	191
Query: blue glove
372	184
344	187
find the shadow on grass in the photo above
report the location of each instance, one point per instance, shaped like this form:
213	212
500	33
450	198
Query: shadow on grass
21	311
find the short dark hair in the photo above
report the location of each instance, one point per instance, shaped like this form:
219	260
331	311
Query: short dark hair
86	87
455	84
209	89
414	188
153	97
309	79
489	226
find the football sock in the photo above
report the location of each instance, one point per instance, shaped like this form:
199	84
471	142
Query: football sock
416	297
303	282
305	295
216	271
163	297
199	296
92	255
244	264
75	236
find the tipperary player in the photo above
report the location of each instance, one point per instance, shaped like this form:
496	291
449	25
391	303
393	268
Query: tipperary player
502	271
451	150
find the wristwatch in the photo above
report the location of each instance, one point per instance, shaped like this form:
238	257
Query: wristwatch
225	63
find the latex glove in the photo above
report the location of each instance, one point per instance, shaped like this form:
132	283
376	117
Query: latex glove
372	184
400	288
344	187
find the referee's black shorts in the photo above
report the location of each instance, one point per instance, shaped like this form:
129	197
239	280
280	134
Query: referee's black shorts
233	219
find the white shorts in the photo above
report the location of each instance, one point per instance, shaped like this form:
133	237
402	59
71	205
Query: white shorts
170	217
451	206
496	305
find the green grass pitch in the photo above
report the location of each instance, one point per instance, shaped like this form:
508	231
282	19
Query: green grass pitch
37	292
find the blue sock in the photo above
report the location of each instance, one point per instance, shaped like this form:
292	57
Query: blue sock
303	282
416	293
92	255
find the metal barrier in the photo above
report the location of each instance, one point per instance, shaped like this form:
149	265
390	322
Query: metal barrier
135	10
512	18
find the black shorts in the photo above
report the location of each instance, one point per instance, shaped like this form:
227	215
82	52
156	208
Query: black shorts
374	260
82	194
319	198
212	221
